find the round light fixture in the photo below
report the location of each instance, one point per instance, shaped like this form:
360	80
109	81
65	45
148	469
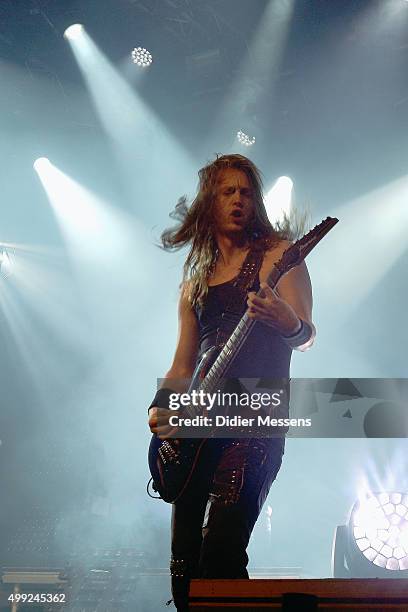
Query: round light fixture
244	139
375	541
142	57
74	31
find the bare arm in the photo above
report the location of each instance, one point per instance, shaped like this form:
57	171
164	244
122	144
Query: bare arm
187	342
291	301
185	355
295	289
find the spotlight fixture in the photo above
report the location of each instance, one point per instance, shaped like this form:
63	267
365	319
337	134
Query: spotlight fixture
74	31
5	265
41	163
374	544
278	200
244	139
142	57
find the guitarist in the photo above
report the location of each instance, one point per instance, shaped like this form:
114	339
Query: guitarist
226	228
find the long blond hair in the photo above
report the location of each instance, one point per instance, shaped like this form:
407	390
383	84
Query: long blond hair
195	224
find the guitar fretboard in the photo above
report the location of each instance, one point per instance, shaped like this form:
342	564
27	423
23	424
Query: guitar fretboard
230	350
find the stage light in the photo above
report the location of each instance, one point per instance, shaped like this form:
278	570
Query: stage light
374	544
41	164
142	57
282	187
74	31
259	68
244	139
278	200
127	119
5	264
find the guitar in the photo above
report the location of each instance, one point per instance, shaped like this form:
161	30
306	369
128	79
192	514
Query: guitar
172	462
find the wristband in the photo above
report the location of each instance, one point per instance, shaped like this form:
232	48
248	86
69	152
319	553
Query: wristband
301	337
161	399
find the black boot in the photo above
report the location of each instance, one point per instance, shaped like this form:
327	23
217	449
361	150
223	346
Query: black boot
180	583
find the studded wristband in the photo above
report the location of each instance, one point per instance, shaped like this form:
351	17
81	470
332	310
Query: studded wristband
162	398
301	337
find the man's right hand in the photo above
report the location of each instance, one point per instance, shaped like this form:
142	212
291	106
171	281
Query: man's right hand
159	422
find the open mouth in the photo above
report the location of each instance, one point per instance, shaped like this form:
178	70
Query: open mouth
237	213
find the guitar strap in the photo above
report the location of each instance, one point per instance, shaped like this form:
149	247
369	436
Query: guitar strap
243	282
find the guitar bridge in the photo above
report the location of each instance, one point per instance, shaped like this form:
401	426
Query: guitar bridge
168	453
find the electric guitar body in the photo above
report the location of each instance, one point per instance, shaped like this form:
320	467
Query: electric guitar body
172	462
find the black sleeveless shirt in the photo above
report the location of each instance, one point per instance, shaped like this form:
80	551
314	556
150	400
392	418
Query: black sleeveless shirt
264	355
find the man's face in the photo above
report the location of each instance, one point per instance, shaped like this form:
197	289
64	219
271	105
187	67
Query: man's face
233	206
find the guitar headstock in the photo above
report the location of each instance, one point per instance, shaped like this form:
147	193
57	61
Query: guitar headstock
298	251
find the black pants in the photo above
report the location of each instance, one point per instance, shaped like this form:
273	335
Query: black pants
212	524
